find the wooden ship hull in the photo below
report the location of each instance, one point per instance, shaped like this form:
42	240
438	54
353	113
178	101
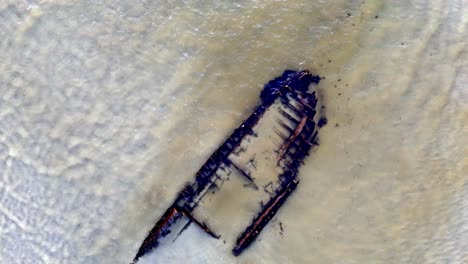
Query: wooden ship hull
249	177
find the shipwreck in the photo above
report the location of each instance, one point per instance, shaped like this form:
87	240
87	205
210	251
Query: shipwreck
243	184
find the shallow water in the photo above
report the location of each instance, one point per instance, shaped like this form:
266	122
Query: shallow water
107	108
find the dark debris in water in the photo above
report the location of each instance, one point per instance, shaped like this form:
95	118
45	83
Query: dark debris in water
322	121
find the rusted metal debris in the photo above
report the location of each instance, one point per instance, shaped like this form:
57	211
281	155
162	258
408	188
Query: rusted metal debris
263	217
291	108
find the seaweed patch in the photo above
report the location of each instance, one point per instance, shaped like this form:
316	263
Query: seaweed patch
264	154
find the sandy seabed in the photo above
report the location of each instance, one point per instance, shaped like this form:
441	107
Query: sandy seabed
108	107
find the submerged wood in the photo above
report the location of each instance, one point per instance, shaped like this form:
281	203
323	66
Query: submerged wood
288	96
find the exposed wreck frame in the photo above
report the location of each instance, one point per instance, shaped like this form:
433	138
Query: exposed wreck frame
299	120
